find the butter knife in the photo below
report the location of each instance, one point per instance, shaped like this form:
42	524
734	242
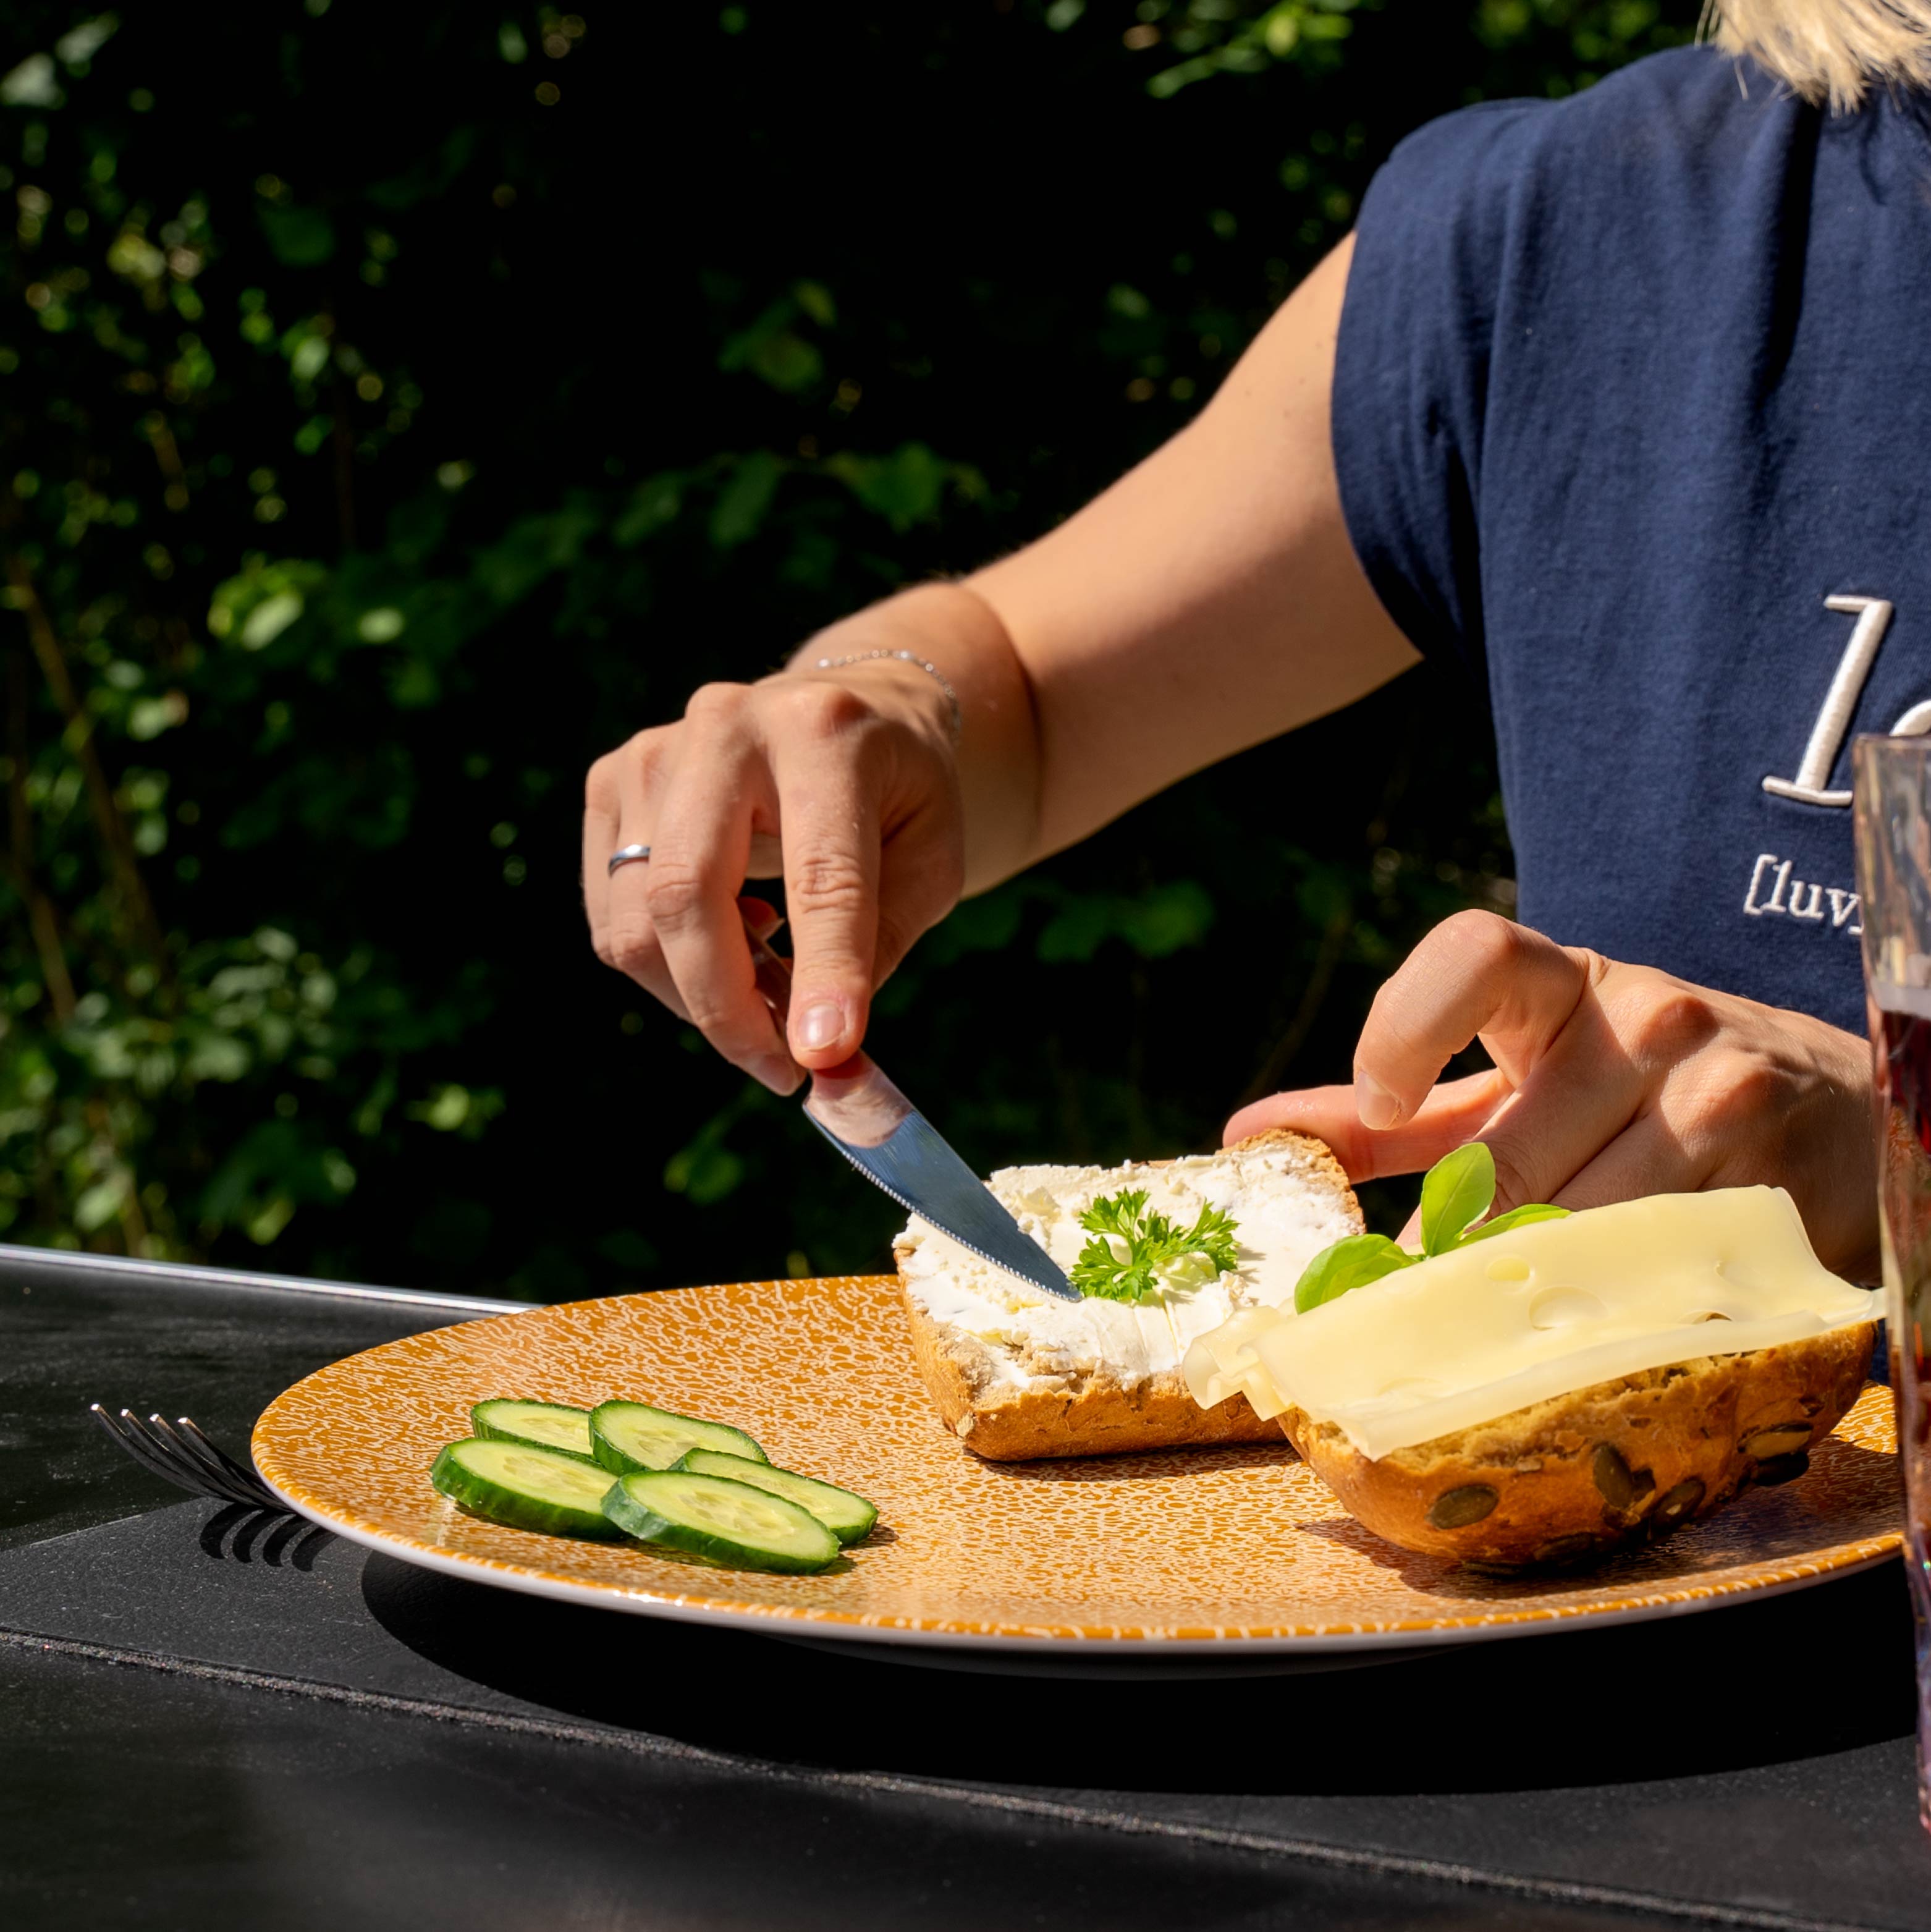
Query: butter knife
897	1149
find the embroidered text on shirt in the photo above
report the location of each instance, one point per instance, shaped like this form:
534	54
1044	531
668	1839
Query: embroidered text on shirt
1772	889
1840	702
1827	735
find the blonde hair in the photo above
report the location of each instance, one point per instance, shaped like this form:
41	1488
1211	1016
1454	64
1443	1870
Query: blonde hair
1833	50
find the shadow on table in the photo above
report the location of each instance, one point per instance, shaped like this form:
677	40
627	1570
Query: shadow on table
239	1535
1818	1671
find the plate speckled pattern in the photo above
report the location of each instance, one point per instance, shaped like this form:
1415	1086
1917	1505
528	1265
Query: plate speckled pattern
1242	1550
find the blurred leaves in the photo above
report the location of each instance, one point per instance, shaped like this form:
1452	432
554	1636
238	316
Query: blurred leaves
300	238
773	348
359	488
1217	38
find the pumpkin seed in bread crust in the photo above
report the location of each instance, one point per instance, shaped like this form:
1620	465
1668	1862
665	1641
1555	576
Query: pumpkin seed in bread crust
1582	1474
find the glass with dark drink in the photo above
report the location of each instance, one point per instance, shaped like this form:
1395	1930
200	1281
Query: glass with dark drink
1893	813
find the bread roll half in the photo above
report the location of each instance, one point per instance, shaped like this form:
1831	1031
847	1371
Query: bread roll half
1016	1374
1570	1479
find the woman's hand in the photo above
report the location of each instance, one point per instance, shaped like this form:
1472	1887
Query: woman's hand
845	783
1610	1082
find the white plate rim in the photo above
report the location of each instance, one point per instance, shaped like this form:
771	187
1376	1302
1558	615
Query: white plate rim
838	1630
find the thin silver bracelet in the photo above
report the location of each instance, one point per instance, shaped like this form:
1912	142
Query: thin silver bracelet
931	670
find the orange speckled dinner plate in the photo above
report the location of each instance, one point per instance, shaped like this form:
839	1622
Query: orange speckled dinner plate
1213	1554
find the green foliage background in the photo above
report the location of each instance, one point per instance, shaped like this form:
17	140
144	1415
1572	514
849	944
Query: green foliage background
402	406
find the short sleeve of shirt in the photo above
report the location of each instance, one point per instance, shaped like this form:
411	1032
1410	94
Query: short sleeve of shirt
1411	369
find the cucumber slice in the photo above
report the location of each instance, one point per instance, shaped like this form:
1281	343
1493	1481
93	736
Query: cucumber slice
523	1488
542	1425
846	1514
731	1523
626	1435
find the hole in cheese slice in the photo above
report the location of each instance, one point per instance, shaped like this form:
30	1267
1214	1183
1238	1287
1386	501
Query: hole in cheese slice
1458	1340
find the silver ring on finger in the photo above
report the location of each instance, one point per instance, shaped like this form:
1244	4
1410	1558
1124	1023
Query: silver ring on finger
628	855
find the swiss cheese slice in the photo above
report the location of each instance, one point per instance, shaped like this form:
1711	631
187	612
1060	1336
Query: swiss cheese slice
1540	1311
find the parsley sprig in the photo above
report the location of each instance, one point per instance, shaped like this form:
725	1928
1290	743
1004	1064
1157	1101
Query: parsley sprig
1151	1240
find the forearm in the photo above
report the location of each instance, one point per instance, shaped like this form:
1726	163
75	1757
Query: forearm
1209	600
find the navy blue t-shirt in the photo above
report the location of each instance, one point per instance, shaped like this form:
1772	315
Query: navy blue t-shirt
1632	416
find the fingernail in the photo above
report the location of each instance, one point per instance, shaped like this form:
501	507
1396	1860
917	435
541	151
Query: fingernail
821	1026
1377	1107
781	1075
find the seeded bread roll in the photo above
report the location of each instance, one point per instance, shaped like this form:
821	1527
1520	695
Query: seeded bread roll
1016	1374
1571	1478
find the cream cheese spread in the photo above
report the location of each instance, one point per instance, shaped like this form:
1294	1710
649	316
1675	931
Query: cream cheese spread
1280	1224
1540	1311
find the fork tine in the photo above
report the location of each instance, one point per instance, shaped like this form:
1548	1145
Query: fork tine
178	1446
118	1434
127	1431
186	1470
163	1455
218	1467
108	1424
214	1479
244	1473
127	1436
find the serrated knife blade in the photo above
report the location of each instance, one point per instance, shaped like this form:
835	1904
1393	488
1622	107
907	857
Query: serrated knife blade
866	1117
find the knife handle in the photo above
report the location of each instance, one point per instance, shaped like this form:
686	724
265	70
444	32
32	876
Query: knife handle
772	973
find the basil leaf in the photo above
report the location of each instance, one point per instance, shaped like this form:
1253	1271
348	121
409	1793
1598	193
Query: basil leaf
1352	1262
1454	1191
1517	1217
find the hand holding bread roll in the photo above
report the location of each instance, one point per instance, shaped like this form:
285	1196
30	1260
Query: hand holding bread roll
1611	1080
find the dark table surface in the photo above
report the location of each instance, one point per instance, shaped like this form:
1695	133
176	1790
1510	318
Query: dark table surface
213	1719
